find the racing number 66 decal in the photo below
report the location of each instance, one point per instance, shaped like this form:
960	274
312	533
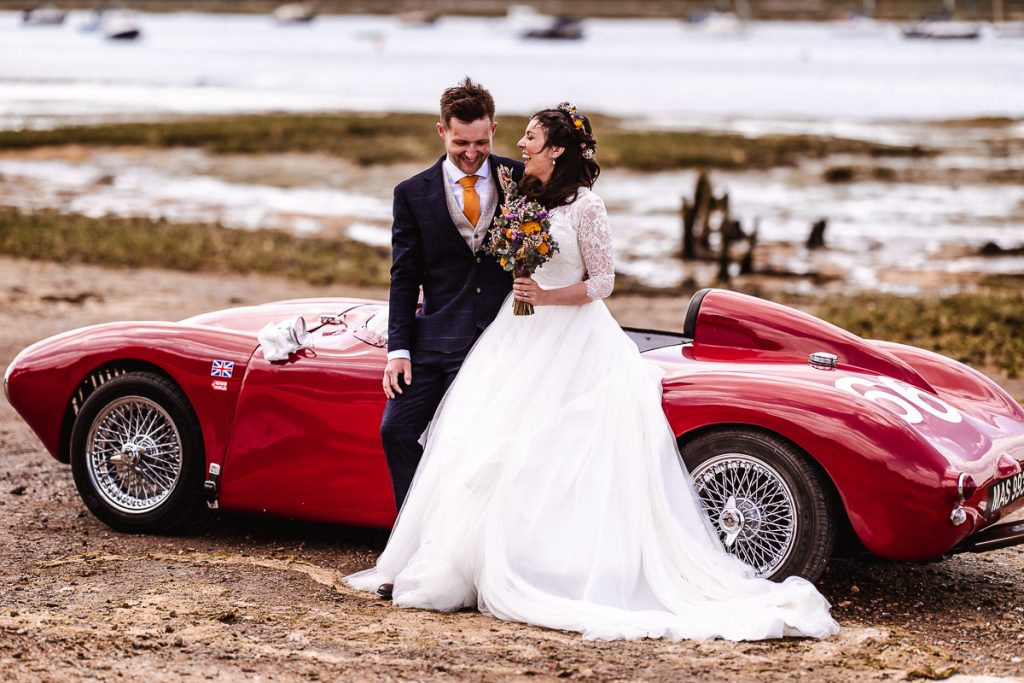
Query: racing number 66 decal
905	400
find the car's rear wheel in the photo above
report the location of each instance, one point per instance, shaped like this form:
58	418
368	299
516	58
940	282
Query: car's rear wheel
766	499
137	454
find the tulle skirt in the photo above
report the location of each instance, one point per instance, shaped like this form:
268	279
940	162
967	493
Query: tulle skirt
551	492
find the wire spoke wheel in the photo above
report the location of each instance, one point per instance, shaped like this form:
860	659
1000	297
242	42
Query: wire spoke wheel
769	501
133	454
137	453
752	508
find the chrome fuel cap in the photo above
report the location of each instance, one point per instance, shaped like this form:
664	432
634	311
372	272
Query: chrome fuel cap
823	360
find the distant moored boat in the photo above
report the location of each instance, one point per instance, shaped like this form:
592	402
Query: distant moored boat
721	21
45	15
522	18
562	28
941	26
295	13
120	26
943	30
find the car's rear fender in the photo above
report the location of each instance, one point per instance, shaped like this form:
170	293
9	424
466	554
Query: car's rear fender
732	327
896	489
961	385
46	379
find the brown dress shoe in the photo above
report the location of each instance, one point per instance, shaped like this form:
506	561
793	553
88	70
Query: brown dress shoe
384	590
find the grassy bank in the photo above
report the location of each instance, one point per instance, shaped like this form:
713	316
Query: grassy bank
980	328
392	138
140	242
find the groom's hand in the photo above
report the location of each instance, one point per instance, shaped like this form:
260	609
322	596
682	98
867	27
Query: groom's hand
398	367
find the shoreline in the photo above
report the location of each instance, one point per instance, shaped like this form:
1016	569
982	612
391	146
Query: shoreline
807	10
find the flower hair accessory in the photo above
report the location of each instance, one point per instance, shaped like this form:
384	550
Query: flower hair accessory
576	118
574	115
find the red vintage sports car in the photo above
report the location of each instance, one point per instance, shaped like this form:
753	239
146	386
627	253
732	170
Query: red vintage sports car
796	432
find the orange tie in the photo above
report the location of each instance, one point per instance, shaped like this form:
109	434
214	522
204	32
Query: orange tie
470	199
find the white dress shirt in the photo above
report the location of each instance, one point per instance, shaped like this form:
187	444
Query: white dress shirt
484	187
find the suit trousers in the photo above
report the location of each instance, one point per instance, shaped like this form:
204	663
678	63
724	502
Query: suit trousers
407	415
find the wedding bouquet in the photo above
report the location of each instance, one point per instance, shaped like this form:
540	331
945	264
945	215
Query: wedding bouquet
521	235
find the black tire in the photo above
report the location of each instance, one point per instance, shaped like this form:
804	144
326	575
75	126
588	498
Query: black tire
783	525
165	460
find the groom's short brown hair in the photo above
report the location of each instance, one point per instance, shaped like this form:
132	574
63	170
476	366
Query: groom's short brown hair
467	101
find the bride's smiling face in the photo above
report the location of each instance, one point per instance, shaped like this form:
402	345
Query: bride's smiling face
537	155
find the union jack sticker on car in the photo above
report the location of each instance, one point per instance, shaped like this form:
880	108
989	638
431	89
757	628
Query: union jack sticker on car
222	368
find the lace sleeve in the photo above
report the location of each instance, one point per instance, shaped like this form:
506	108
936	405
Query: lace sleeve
595	240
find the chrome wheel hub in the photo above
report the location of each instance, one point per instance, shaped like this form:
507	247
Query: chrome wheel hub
752	508
130	455
133	454
730	521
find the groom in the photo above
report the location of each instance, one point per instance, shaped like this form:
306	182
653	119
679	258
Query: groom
438	238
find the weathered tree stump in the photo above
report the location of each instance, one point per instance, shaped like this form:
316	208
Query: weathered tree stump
747	261
697	219
706	216
816	240
689	213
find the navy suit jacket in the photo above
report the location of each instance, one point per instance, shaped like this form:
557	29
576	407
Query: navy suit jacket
462	290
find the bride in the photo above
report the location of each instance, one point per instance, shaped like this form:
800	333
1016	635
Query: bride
551	489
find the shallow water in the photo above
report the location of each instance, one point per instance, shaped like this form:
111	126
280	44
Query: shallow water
777	74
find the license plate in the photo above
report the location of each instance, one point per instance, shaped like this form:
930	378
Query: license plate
1004	492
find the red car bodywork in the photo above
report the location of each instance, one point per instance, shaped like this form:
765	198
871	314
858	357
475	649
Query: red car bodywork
892	427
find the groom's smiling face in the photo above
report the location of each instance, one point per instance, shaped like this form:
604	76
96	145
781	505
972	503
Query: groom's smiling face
467	143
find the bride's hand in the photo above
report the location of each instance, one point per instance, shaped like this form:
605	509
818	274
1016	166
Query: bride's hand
525	289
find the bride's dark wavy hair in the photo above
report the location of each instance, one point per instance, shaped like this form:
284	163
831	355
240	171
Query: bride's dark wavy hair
572	169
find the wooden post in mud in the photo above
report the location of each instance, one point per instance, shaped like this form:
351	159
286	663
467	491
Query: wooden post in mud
816	240
704	197
747	262
697	220
689	215
698	226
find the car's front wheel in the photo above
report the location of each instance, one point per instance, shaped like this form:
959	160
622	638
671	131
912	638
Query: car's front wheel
137	454
765	498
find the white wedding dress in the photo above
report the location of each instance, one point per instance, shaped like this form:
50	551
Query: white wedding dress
551	490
